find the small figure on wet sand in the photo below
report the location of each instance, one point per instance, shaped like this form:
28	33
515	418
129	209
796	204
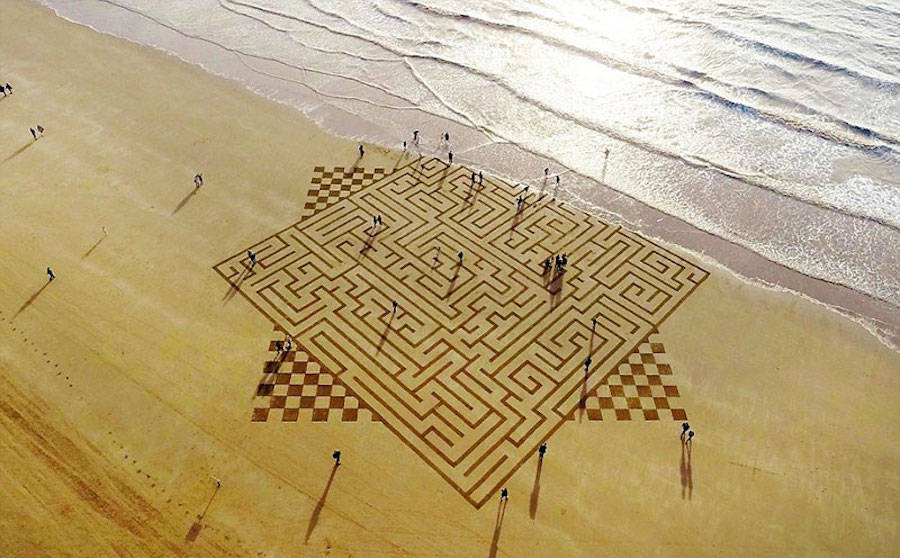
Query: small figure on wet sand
9	89
336	455
460	256
690	439
40	130
684	429
504	494
473	178
594	323
587	364
279	346
547	171
288	343
542	451
380	222
404	146
547	265
437	254
394	305
447	137
415	136
450	156
33	134
198	180
50	275
252	257
480	178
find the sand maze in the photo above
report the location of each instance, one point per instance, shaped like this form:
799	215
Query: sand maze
483	359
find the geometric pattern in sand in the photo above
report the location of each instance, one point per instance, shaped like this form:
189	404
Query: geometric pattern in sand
484	360
294	387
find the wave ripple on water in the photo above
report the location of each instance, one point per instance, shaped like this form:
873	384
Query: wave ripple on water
773	127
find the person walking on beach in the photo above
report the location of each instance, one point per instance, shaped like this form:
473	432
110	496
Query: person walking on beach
9	90
504	495
288	343
460	256
374	222
546	171
450	156
404	146
447	137
40	130
279	346
416	137
379	221
684	428
33	134
198	180
394	304
480	178
587	364
361	151
473	178
336	455
594	323
252	257
541	451
689	443
50	275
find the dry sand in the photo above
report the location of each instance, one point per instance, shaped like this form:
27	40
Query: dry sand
126	384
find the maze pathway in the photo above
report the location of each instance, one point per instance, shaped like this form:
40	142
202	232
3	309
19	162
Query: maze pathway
484	359
294	387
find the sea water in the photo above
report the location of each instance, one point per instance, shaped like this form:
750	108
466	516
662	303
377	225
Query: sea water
763	134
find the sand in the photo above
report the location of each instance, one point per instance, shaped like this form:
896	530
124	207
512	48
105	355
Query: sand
128	382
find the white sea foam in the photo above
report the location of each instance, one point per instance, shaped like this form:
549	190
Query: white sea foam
771	130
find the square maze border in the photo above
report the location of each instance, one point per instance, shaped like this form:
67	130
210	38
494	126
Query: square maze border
485	359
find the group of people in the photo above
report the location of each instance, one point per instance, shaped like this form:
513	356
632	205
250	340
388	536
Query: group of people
687	435
559	262
284	346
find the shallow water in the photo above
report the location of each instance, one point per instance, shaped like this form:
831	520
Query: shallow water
765	136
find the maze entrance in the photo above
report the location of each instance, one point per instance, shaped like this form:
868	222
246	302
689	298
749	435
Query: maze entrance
484	357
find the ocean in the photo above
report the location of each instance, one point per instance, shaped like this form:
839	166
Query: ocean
762	135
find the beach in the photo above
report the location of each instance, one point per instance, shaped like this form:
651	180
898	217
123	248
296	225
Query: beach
129	381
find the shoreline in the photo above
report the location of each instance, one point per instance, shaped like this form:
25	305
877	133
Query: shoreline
878	317
132	381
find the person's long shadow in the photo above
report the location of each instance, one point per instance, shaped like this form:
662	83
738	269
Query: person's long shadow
31	299
314	519
183	202
536	489
235	286
384	333
94	247
687	478
501	512
17	151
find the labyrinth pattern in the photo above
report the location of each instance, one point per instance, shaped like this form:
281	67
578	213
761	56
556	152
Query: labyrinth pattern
295	387
484	358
